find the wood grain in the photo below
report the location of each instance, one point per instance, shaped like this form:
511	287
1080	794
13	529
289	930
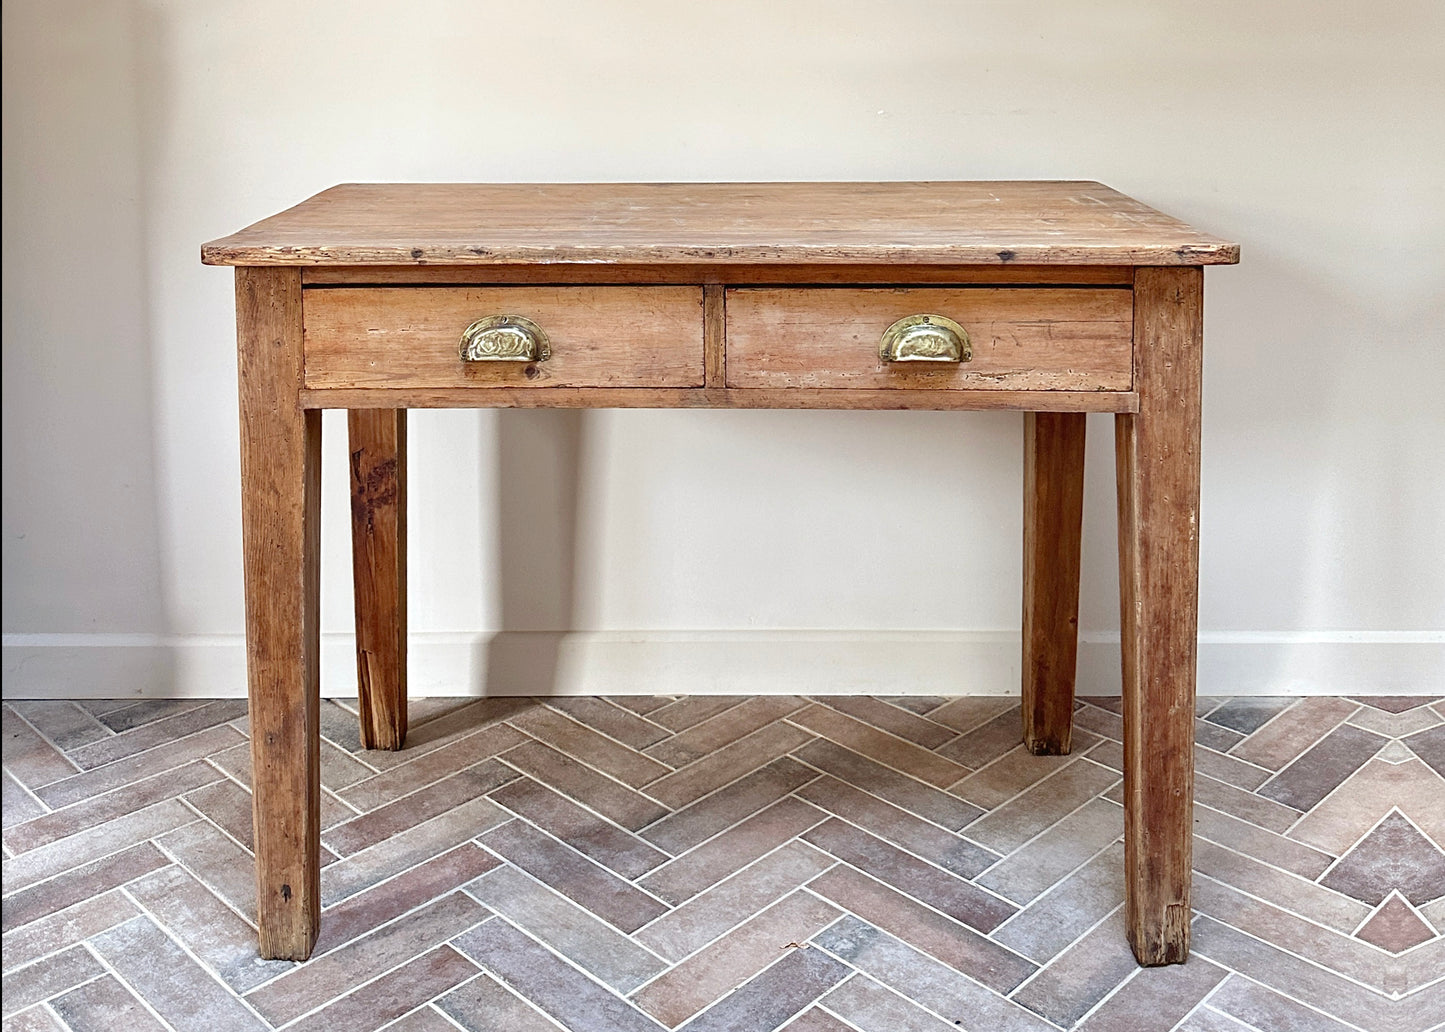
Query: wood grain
1157	462
1053	532
378	559
700	397
1048	223
1024	338
727	275
714	333
600	336
280	519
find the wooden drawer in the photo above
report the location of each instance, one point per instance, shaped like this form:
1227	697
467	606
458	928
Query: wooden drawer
1023	338
409	336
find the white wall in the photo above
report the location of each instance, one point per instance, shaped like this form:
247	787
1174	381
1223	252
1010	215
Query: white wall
705	544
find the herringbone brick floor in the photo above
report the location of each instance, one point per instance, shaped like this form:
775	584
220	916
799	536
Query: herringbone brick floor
724	865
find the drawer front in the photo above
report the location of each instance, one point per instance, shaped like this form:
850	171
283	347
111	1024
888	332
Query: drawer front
411	336
1023	338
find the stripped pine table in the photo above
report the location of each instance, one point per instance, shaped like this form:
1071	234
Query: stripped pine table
1053	298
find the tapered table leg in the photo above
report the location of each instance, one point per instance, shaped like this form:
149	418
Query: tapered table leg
1053	526
1157	458
378	554
280	509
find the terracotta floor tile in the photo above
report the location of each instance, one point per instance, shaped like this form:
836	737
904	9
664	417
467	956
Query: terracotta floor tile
712	734
571	930
869	1006
718	857
610	844
1037	866
815	1019
960	899
62	723
485	1005
965	714
1046	803
1261	1008
579	741
63	855
29	985
452	725
957	946
1081	975
880	746
1393	857
123	772
406	849
628	807
1252	840
694	709
1430	747
1015	771
156	732
925	801
826	882
1246	714
714	971
402	779
174	985
311	985
19	805
393	994
1156	997
1293	731
612	720
895	720
62	928
213	932
1337	822
896	825
729	903
573	875
385	820
774	995
918	977
102	1006
1045	927
88	813
549	983
1323	768
986	742
730	804
1287	891
729	763
1395	927
369	910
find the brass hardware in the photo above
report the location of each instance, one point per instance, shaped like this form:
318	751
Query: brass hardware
925	338
505	338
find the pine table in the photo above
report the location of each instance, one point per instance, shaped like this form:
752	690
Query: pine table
1053	298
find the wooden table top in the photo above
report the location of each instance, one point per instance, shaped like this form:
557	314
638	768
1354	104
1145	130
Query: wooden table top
942	223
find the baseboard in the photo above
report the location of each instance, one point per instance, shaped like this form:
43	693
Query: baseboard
80	666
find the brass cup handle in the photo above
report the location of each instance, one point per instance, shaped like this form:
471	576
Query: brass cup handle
505	338
925	338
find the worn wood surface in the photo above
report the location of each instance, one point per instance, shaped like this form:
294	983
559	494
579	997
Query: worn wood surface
1157	462
714	333
378	559
1052	223
1024	338
1053	532
280	520
728	275
600	336
701	397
